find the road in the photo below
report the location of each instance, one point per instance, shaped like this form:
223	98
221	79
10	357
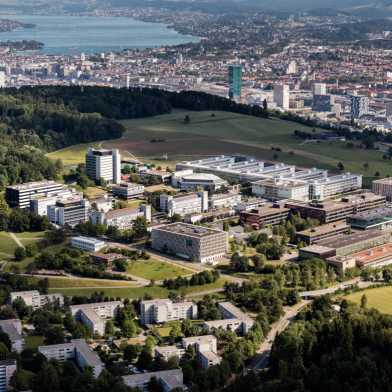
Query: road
261	359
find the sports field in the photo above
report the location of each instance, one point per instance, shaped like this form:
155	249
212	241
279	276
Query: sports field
210	133
156	270
378	298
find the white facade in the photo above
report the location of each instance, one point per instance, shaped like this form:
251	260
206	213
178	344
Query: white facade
224	200
383	187
162	310
319	89
207	181
78	350
13	328
184	204
95	315
128	190
87	244
281	189
282	96
35	299
104	164
69	212
7	370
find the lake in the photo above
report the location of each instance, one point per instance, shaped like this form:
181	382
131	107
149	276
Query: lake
93	34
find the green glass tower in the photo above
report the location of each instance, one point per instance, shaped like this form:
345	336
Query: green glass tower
235	81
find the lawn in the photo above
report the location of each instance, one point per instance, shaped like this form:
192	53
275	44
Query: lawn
7	246
379	298
156	270
74	283
73	155
32	342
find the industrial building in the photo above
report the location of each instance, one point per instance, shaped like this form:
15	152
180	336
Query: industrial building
190	242
77	350
158	311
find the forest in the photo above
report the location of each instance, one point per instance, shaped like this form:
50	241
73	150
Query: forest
34	121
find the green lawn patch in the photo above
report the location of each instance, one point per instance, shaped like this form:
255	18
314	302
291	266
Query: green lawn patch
98	283
156	270
33	342
73	155
379	298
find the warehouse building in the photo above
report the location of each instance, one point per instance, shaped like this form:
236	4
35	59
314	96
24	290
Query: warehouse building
190	242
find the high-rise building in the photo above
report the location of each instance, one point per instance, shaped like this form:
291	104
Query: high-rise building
282	95
359	106
319	89
235	80
292	68
104	164
322	103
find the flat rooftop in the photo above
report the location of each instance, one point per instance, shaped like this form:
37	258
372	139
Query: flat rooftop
286	183
90	240
381	214
324	229
34	184
267	210
190	230
354	238
384	181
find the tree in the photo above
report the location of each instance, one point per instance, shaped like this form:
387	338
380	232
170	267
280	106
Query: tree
109	328
4	351
19	253
131	352
22	380
363	301
187	119
47	380
340	166
31	249
54	335
128	328
145	359
140	226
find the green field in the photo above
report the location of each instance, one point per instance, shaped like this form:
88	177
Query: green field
8	244
156	270
378	298
74	283
71	156
33	342
230	133
138	292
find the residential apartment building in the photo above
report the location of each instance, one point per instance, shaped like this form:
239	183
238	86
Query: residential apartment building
206	348
264	216
190	242
95	315
168	380
383	187
329	187
128	190
77	350
280	189
19	196
13	328
230	311
162	310
122	218
323	232
69	212
87	244
7	369
103	164
184	204
35	299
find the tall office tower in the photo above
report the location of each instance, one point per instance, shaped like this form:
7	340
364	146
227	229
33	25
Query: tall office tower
105	164
235	80
282	95
359	106
319	89
292	68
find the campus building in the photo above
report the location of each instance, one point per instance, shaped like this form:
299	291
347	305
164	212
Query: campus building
95	315
206	347
7	369
77	350
13	328
19	196
331	211
35	299
207	181
128	190
158	311
69	212
380	218
122	218
87	244
184	204
383	187
103	164
264	216
190	242
280	189
323	232
168	379
224	200
282	96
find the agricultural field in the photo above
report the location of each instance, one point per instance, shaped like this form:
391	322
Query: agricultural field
166	139
379	298
156	270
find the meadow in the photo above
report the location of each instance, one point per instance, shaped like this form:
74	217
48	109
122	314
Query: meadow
379	298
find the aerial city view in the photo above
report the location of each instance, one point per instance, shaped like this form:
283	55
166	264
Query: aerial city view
196	195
